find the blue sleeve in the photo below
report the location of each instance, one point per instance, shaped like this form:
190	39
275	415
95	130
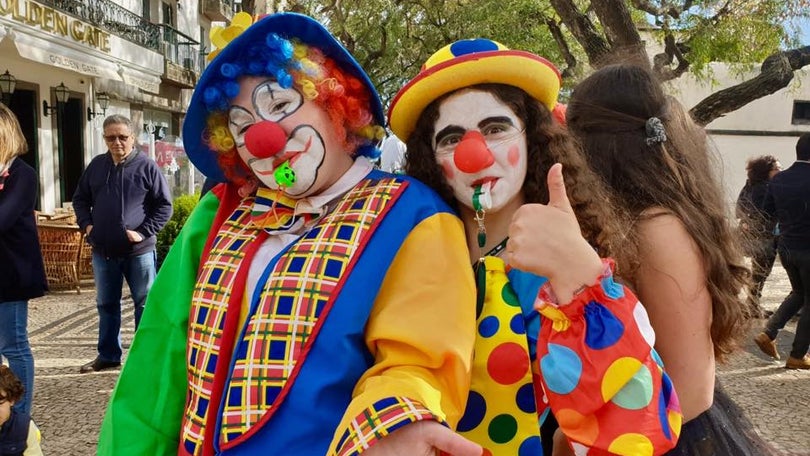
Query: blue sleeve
17	197
526	286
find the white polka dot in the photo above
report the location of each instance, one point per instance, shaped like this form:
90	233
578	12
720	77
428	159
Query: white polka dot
643	322
580	449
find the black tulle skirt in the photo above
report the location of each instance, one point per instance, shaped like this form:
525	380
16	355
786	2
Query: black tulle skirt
723	430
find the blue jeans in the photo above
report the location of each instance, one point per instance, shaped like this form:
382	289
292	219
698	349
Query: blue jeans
797	266
15	348
109	274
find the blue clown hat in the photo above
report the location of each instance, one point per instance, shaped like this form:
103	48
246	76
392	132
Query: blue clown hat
286	25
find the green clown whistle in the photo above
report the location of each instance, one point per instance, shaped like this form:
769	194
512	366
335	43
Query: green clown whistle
285	176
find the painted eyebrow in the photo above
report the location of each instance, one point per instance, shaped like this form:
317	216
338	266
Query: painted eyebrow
239	110
496	119
450	129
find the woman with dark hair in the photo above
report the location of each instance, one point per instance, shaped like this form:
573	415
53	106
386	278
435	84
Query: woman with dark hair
480	129
22	271
757	227
680	256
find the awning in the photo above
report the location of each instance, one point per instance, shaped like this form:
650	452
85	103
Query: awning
141	80
44	51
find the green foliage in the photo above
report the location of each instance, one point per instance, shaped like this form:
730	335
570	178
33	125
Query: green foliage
182	207
391	39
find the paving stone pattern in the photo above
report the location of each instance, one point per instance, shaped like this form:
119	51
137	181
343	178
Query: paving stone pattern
69	406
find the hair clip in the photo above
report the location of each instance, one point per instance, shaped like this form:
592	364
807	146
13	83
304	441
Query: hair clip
655	131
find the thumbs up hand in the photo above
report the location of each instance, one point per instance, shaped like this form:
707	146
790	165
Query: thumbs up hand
545	239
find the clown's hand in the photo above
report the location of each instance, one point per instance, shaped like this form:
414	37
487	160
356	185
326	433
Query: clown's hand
545	239
424	438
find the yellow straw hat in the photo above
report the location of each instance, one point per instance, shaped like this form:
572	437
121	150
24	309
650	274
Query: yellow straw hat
466	63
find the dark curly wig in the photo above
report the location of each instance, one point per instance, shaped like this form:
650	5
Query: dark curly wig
548	143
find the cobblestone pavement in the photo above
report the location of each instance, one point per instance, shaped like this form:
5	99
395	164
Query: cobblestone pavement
69	406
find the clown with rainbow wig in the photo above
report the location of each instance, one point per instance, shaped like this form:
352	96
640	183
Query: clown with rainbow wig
311	304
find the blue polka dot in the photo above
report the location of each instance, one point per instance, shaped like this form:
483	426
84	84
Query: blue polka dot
662	415
612	289
517	324
531	447
656	358
561	368
525	398
465	47
488	326
602	328
474	414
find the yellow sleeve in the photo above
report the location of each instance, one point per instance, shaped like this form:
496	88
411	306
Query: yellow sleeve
421	332
32	444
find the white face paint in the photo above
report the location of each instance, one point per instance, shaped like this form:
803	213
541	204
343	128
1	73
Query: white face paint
313	149
476	110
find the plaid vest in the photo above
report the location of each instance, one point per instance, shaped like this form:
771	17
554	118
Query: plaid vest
239	377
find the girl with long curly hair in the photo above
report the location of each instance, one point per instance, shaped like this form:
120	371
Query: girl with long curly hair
680	256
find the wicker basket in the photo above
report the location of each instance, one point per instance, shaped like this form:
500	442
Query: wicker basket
61	251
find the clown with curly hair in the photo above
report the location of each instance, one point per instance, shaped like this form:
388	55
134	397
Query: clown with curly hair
556	336
311	305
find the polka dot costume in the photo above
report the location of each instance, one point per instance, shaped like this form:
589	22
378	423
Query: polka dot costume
595	368
604	382
501	412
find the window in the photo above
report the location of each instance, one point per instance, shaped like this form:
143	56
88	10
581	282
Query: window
801	113
168	14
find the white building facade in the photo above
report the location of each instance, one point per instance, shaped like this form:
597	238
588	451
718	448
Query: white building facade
144	56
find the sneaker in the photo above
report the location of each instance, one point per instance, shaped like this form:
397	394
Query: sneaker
98	365
767	345
798	363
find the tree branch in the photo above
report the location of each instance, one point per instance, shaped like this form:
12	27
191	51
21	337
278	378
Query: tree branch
565	50
620	30
776	73
671	11
595	46
662	62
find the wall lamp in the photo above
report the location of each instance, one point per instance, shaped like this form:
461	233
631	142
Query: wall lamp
7	85
62	95
103	101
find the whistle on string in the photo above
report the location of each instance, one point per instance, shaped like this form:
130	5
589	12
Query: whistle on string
285	177
481	202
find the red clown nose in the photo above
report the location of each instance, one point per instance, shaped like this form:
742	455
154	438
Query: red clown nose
265	139
472	154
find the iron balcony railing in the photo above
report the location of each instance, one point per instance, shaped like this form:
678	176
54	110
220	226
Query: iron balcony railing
181	49
113	18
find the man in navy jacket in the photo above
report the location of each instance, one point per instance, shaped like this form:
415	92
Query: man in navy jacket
121	203
789	200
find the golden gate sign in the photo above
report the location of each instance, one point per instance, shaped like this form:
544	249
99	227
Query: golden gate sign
50	20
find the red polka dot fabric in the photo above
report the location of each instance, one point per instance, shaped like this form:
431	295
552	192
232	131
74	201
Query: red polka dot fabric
595	368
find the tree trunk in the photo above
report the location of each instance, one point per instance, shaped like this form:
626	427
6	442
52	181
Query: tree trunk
776	73
595	46
626	44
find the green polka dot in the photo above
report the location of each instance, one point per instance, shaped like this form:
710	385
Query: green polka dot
637	393
502	428
508	295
